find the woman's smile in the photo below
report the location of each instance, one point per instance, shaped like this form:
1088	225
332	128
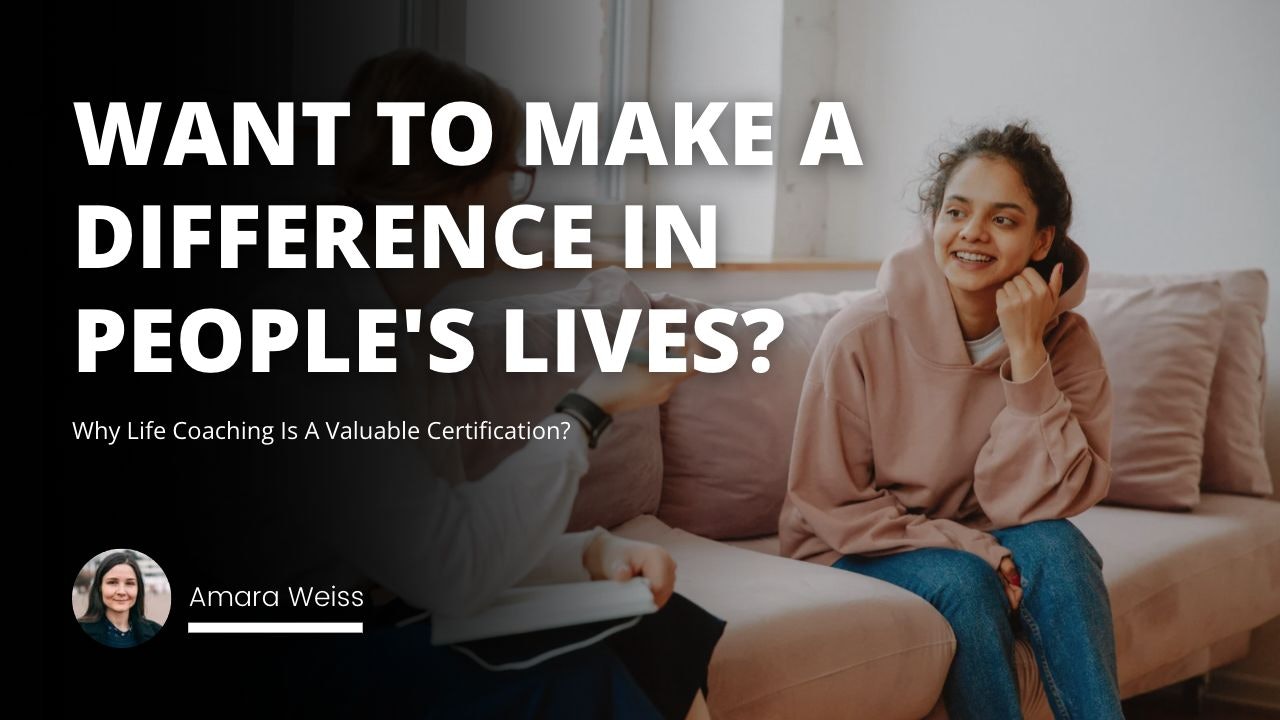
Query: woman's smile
119	588
972	260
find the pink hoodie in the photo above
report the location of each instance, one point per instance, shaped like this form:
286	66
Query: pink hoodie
903	443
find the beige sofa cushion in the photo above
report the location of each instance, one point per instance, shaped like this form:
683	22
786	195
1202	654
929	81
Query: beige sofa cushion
1160	344
1180	582
805	641
1182	586
1235	460
1198	663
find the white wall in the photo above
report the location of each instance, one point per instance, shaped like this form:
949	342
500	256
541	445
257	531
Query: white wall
1164	116
809	41
551	51
727	50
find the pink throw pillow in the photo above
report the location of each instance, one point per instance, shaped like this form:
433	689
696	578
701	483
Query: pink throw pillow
625	475
726	438
1235	459
1160	345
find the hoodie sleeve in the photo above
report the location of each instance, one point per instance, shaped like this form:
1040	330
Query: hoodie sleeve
1049	453
831	485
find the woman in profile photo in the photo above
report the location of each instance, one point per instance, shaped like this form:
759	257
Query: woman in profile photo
954	419
117	604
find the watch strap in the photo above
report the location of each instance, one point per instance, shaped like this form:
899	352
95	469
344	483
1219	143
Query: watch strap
591	416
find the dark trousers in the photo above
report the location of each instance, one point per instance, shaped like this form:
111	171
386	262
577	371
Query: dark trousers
652	670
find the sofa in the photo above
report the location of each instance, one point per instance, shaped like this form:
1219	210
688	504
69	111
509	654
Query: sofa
1189	539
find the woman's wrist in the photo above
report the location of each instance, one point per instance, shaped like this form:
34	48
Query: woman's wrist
593	554
1024	362
591	389
590	416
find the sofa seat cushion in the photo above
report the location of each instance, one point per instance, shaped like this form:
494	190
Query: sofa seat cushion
1183	581
806	641
1179	583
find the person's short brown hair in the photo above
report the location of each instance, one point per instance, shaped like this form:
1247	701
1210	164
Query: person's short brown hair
364	145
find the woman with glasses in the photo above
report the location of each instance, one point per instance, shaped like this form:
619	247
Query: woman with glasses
521	186
419	533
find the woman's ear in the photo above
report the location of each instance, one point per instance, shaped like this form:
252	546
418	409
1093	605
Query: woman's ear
1044	241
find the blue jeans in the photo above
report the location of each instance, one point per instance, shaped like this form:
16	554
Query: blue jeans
1065	614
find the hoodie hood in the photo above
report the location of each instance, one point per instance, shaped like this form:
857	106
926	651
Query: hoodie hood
917	296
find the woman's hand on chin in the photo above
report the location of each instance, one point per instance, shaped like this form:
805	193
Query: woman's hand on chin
1024	306
610	557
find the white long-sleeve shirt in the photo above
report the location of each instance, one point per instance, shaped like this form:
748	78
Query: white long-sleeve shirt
405	518
451	548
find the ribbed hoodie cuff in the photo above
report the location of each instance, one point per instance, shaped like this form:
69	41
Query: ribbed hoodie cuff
1033	396
995	553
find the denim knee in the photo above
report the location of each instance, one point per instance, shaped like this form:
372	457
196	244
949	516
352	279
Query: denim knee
969	594
1050	547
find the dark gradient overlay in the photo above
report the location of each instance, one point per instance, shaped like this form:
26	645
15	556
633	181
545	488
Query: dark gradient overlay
227	515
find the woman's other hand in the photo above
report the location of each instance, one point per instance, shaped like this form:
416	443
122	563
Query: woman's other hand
1012	581
609	557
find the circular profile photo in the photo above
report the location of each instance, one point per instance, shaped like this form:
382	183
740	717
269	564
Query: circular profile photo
121	598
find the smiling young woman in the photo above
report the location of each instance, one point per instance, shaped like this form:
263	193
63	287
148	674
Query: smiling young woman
986	235
969	350
116	616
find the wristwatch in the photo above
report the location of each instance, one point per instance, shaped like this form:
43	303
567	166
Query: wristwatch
591	416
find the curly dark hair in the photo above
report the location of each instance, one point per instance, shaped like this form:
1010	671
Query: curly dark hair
1031	156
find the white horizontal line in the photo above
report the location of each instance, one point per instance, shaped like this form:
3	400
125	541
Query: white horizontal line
292	628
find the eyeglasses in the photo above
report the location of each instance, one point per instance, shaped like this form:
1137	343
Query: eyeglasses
521	184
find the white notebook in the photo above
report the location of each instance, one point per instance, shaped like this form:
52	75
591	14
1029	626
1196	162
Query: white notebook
542	607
